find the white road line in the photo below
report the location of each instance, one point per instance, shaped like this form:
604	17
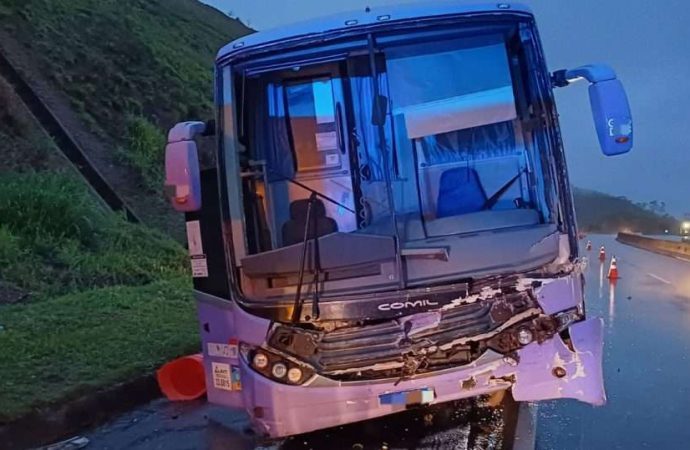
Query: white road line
526	428
657	277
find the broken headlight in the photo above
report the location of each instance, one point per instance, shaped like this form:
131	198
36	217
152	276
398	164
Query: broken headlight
535	330
567	318
274	366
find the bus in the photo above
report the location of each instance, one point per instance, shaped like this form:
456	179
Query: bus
388	221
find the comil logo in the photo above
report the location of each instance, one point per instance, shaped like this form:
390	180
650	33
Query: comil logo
405	305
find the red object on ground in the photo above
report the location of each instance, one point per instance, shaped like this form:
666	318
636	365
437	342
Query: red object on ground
183	378
613	270
602	254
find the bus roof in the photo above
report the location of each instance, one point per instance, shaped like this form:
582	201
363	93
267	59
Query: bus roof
363	18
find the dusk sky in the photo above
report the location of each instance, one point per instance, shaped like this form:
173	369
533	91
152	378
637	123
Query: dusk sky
645	42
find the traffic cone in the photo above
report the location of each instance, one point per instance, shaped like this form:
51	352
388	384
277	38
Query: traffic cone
602	254
613	270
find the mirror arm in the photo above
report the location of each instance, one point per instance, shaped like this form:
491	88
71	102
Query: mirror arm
186	131
594	73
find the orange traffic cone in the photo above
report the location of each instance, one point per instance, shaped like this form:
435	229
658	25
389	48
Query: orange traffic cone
602	254
183	378
613	270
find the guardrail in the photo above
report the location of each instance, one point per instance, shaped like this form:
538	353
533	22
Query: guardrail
63	140
677	249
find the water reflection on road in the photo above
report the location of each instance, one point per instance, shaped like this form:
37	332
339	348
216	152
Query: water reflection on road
646	348
471	425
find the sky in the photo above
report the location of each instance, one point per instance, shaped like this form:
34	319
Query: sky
646	42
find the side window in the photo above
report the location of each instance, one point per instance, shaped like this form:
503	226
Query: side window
312	117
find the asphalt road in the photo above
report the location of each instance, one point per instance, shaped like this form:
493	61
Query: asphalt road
646	359
647	316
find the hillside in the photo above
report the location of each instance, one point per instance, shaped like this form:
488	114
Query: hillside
90	298
602	213
118	74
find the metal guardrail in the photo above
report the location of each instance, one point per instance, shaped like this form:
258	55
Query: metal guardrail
63	140
677	249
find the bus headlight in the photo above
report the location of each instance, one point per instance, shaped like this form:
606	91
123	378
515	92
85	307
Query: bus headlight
260	360
279	370
294	375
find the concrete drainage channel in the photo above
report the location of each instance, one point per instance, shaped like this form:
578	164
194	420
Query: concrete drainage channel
63	140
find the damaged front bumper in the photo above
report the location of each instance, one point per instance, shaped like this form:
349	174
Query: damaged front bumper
548	370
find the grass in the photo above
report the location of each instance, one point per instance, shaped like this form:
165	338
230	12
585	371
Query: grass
22	143
109	300
145	150
152	59
62	347
66	241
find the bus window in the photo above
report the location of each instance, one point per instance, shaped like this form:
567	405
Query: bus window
311	110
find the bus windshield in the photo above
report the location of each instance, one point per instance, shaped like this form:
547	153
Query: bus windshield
411	140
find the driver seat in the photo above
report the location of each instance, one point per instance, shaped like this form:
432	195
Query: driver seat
293	229
460	192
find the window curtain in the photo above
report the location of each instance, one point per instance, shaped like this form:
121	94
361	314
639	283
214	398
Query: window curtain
471	144
369	148
273	141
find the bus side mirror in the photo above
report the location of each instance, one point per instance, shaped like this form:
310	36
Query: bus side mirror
610	108
182	175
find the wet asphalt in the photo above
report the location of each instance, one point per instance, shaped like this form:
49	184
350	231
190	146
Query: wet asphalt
646	358
647	320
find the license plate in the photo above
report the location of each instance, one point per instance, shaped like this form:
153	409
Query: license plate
408	398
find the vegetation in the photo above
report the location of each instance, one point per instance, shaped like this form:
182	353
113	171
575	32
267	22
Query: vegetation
145	144
87	299
602	213
125	63
22	144
68	242
107	299
66	346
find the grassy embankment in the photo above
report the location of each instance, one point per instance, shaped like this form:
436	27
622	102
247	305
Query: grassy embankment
87	299
130	68
98	300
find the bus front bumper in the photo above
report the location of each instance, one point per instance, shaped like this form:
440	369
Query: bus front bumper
549	370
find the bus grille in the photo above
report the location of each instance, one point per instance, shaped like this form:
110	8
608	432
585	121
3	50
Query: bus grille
419	342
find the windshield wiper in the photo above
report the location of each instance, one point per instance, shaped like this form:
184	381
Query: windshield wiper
310	223
491	201
302	185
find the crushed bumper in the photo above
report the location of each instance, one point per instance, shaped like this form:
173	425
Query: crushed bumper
545	371
581	368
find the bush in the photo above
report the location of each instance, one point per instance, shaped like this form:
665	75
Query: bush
56	238
145	150
44	205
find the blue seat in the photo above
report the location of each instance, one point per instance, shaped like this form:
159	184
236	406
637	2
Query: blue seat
460	192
